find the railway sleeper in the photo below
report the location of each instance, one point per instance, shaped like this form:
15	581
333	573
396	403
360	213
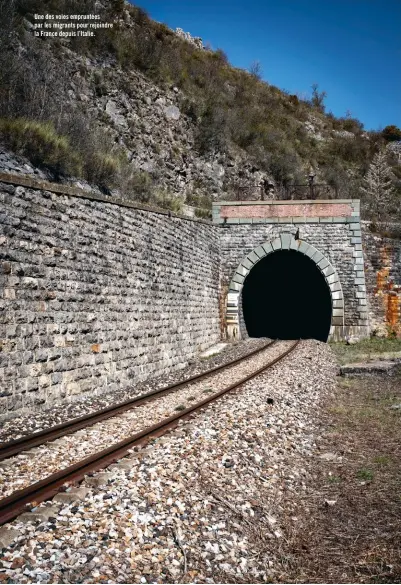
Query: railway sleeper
41	514
71	496
7	535
102	478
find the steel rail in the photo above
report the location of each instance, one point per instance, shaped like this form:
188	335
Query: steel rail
17	502
14	447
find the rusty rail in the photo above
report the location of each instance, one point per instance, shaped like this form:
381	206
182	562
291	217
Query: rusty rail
13	505
14	447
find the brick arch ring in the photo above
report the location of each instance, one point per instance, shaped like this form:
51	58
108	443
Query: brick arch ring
285	241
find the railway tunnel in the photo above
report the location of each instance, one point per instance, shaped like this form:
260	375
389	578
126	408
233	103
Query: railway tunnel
286	296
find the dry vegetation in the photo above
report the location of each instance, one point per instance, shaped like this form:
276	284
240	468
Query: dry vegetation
228	106
351	518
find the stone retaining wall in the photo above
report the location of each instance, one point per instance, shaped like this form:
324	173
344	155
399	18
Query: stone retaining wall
97	296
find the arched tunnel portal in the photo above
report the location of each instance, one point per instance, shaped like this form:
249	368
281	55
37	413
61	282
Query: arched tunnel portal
290	290
286	296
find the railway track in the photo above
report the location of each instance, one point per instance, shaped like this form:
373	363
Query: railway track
12	448
18	501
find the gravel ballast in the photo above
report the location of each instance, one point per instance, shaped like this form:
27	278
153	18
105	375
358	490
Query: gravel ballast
37	463
203	504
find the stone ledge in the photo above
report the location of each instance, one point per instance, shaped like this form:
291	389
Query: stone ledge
369	368
39	184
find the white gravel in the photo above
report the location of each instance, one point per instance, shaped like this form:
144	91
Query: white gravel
37	463
204	505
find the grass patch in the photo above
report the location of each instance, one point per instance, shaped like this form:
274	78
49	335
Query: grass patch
382	460
334	479
365	349
208	390
41	144
365	474
180	407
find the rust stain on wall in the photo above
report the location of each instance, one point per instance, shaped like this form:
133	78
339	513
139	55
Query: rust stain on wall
222	310
389	292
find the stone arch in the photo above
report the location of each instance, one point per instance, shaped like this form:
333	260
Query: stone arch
285	241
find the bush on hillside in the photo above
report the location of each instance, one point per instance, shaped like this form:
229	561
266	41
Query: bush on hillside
41	144
391	133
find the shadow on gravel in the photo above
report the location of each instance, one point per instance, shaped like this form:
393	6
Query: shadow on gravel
350	528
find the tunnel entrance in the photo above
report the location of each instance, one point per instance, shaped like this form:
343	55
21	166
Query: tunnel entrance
285	296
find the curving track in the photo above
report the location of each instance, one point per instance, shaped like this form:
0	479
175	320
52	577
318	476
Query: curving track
12	505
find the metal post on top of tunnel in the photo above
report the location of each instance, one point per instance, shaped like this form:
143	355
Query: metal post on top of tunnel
311	178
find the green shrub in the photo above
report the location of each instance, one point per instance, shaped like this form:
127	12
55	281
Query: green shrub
139	186
202	213
391	133
102	169
41	144
166	200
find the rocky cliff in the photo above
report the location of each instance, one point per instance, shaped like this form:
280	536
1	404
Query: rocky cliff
148	113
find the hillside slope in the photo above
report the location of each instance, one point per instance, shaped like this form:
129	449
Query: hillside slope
140	110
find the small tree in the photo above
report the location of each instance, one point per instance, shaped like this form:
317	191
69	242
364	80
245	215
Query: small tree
256	70
378	186
318	98
391	133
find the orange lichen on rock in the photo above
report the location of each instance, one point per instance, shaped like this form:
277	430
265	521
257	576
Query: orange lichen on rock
389	293
95	348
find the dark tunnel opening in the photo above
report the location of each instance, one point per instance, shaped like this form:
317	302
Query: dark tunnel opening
285	296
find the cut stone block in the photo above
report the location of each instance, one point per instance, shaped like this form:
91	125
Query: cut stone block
335	286
332	278
378	367
311	251
338	304
234	286
238	278
317	257
276	244
323	264
267	248
328	271
259	251
253	257
247	263
286	241
242	270
304	247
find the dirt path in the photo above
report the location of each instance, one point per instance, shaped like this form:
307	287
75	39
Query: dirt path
348	528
